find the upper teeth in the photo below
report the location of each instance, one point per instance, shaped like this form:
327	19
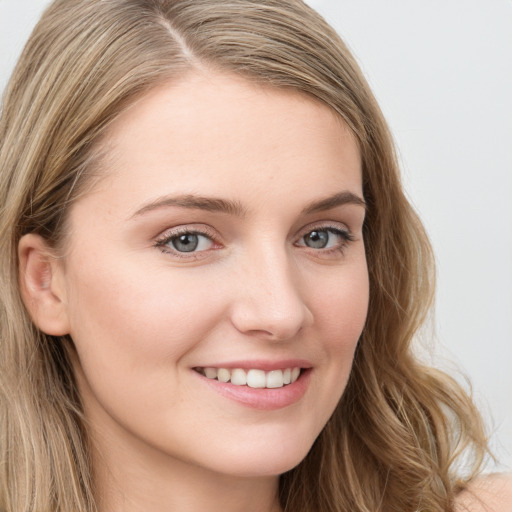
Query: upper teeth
253	378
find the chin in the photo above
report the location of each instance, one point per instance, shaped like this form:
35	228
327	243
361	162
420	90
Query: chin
264	459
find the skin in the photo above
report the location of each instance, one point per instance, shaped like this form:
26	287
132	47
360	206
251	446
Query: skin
142	315
491	493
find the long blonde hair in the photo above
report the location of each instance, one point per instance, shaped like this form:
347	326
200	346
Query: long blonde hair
393	442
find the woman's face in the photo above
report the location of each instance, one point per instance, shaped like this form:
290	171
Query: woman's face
223	242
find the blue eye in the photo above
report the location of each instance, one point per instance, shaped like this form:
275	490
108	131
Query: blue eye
186	242
325	238
317	239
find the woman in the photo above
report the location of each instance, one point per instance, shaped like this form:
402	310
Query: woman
211	276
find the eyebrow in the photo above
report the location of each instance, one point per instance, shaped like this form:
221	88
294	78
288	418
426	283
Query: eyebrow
334	201
210	204
213	204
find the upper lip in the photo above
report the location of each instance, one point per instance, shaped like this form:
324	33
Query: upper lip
260	364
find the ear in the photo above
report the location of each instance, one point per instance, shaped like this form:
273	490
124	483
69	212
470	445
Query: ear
42	285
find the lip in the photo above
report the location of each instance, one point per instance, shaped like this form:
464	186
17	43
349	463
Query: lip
265	399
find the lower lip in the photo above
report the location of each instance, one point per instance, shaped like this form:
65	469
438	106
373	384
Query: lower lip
266	399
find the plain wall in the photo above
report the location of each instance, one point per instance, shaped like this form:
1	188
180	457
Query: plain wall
442	72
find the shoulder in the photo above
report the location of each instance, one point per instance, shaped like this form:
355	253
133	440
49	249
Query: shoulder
492	493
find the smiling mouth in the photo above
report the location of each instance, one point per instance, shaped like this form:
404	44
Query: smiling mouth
253	378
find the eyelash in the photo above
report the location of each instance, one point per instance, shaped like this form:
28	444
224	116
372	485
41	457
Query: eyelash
168	237
344	234
162	242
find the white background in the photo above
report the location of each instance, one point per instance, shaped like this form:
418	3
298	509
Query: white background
442	72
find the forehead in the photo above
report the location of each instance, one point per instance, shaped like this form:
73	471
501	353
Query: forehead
225	134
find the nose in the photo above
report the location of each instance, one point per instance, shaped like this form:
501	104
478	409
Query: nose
270	303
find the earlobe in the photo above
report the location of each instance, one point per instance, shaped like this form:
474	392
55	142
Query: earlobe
42	285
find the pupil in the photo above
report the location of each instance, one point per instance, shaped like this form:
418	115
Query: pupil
317	239
186	243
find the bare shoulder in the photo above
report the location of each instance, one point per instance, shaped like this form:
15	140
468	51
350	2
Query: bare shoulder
492	493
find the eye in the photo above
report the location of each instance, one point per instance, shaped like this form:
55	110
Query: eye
317	239
185	241
325	238
190	242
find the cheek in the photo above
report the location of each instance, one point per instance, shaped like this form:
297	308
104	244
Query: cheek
342	307
340	315
132	336
121	316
